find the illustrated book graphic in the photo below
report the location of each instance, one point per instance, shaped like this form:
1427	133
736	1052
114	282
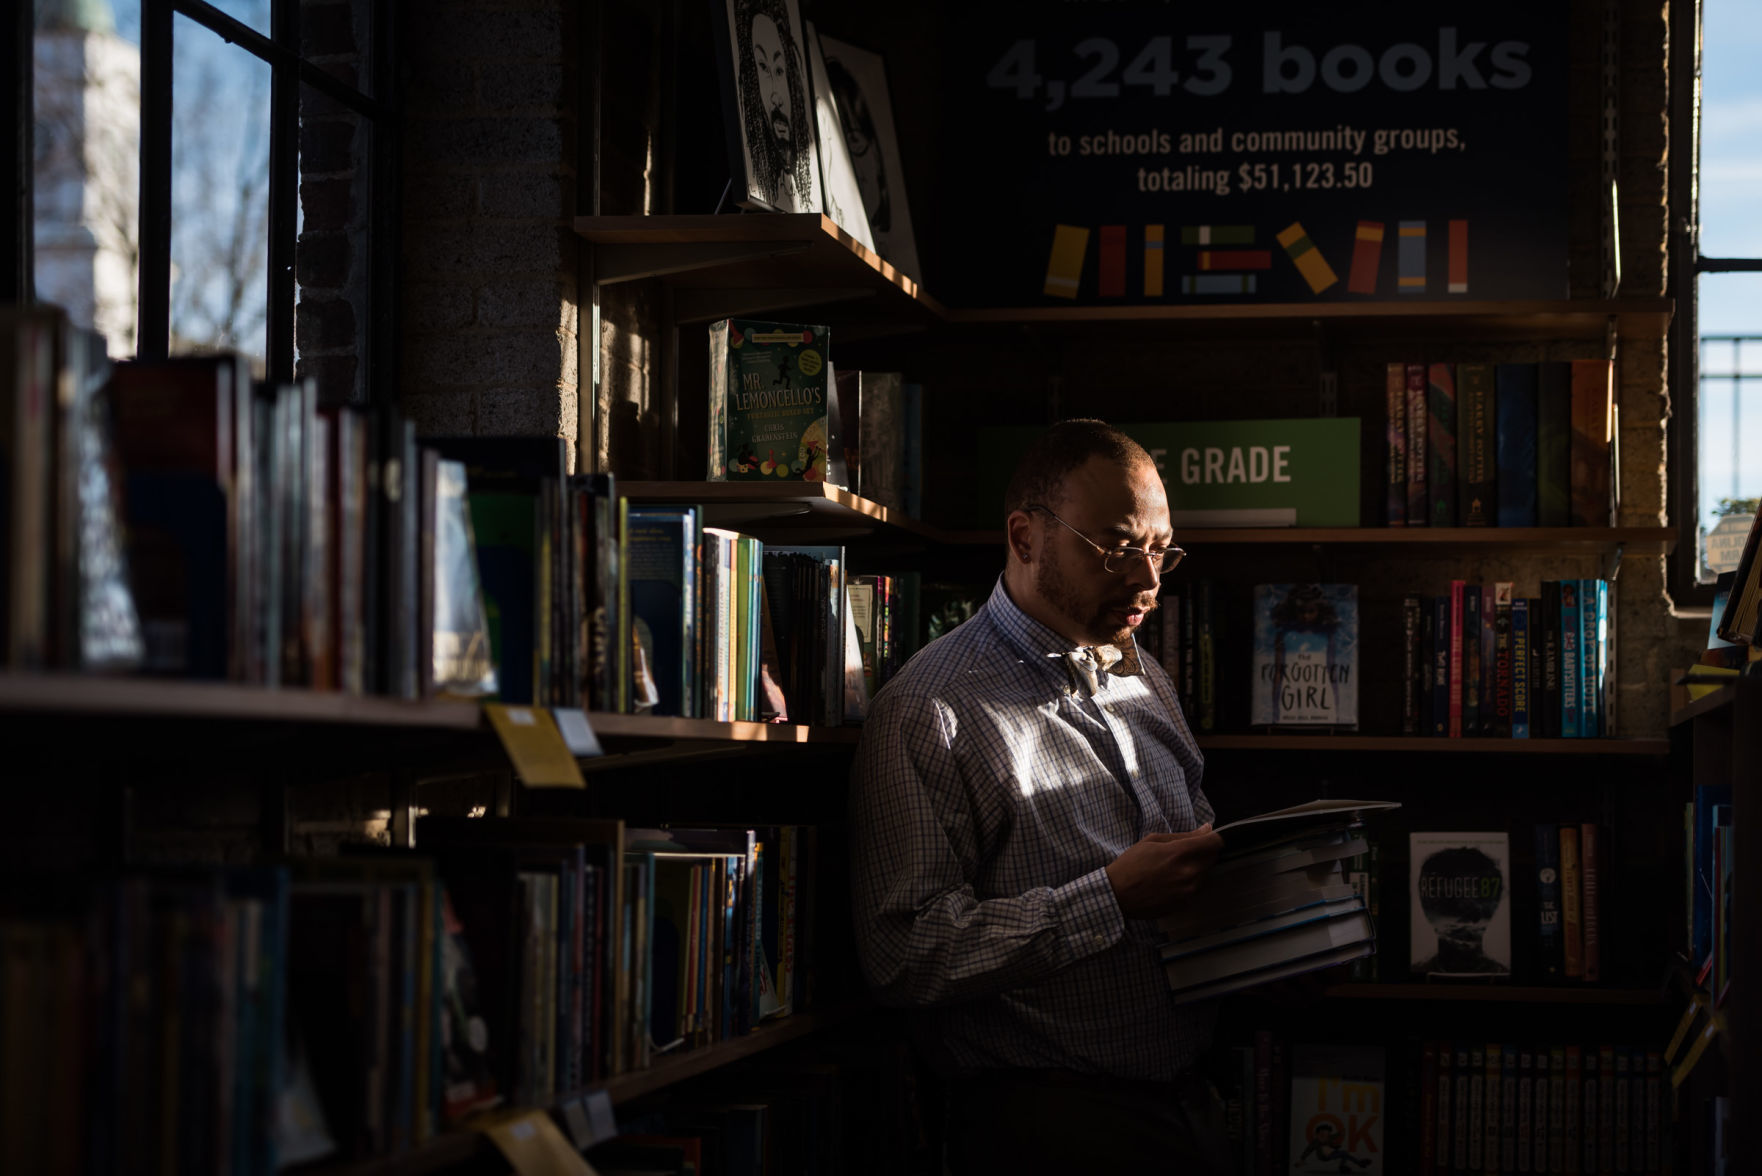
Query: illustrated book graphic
771	139
1460	892
1306	655
768	402
1336	1109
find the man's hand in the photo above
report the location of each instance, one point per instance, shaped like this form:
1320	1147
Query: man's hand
1155	876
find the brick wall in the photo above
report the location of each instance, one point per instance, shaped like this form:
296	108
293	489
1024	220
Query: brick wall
488	332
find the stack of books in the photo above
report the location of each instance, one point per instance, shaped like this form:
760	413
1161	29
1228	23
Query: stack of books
1276	904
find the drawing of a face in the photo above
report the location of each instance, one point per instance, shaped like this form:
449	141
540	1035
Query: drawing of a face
768	57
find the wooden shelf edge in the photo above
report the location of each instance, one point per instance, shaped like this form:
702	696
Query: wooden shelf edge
461	1145
1706	704
607	725
671	1069
1430	744
83	694
1650	314
1495	994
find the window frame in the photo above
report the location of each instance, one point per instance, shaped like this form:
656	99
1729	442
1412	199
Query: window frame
378	104
1683	497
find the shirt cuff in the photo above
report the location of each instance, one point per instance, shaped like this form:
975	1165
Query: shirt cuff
1091	915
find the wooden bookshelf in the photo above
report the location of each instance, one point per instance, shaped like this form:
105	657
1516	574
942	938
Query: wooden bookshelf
615	726
1722	696
465	1145
1422	745
1413	542
1535	319
77	695
791	511
1497	994
756	264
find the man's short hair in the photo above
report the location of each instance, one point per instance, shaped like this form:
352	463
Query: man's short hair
1040	475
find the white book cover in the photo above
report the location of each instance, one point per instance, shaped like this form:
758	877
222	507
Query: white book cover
1337	1109
1460	891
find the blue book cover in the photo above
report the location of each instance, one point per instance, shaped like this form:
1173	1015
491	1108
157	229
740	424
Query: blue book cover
1305	655
1441	665
1549	956
1571	684
1604	685
661	557
1516	421
1590	701
1520	672
1708	799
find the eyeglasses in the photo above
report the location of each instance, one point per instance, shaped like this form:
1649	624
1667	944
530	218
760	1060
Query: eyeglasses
1121	559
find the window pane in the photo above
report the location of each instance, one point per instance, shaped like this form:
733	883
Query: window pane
332	253
1731	127
254	13
85	174
1730	393
219	195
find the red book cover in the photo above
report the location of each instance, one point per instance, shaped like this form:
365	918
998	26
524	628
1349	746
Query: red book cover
1223	259
1458	257
1113	261
1456	589
1367	252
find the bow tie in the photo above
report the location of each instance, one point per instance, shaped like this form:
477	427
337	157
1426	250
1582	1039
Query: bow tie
1088	663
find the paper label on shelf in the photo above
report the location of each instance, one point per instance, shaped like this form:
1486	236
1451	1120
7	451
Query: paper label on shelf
533	1145
577	732
590	1119
531	738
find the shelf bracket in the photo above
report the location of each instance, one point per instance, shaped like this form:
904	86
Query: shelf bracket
1612	563
629	263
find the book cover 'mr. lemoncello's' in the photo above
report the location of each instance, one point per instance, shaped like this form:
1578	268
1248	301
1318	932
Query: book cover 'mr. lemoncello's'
1461	904
1305	655
768	402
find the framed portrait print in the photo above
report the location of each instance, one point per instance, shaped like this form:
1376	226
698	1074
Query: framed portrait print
844	196
768	99
858	79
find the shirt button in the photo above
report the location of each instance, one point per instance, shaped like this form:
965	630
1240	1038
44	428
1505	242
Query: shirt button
1100	940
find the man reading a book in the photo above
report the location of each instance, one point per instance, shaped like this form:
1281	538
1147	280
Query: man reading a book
1026	801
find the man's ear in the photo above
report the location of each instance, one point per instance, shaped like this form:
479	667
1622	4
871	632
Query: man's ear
1019	532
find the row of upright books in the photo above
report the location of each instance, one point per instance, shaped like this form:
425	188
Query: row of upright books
1506	445
354	1007
1470	1106
1483	662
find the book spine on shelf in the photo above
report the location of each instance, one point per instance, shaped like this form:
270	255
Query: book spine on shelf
1464	1125
1454	699
1525	1127
1477	490
1571	670
1520	668
1589	858
1590	721
1590	1111
1548	703
1411	694
1396	400
1548	886
1474	1125
1516	420
1571	917
1474	684
1508	1137
1503	661
1441	471
1492	1137
1419	508
1440	671
1428	1109
1572	1145
1592	434
1553	444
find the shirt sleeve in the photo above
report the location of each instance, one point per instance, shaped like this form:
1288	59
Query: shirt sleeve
923	936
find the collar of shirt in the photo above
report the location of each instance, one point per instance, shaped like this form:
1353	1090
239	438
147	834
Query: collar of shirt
1040	645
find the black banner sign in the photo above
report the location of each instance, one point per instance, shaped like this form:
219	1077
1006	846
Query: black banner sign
1143	153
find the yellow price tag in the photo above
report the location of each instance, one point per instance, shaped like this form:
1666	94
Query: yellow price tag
530	736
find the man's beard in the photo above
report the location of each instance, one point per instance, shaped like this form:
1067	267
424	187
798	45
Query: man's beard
1092	619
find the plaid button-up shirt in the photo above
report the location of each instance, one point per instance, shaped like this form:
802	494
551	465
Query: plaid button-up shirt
987	798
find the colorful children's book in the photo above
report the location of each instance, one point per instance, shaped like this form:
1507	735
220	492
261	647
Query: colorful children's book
768	402
1306	655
